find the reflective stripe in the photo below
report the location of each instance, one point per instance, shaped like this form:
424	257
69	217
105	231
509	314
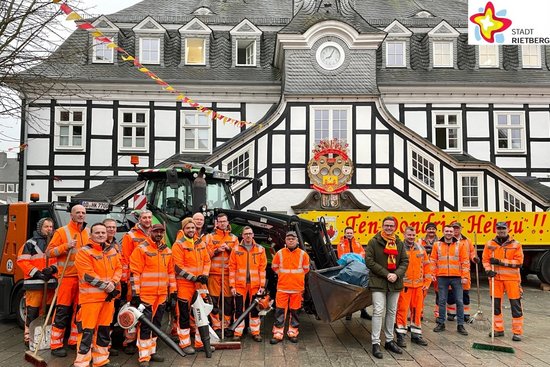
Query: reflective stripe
63	263
91	290
67	233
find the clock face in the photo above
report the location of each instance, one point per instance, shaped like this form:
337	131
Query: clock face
330	55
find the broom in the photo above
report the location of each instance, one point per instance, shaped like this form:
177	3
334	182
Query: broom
492	346
479	321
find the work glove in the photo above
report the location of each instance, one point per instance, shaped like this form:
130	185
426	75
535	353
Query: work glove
123	290
110	287
494	261
49	272
112	295
39	275
202	279
491	273
476	260
136	301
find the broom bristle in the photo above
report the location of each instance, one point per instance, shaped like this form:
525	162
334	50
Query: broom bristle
35	359
494	348
226	345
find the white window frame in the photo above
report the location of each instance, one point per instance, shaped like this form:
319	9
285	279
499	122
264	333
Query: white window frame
203	51
485	51
527	54
98	45
196	127
10	190
480	192
448	126
403	54
450	45
510	127
331	108
3	187
248	149
70	124
149	61
433	190
253	56
504	189
133	125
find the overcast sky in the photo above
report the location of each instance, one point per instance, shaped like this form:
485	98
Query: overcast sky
10	129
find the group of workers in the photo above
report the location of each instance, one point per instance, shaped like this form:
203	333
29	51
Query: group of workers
95	274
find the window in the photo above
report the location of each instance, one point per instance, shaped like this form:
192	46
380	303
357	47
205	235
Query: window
194	51
447	133
424	170
246	52
69	128
395	54
510	131
331	123
10	188
511	202
2	187
442	54
488	56
149	50
470	193
240	166
102	53
196	132
531	56
133	130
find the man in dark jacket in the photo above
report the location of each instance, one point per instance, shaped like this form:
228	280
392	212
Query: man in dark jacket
387	261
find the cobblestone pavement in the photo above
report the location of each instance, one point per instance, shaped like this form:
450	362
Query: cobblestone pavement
347	343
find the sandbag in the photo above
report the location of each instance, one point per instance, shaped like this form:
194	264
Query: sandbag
349	257
355	272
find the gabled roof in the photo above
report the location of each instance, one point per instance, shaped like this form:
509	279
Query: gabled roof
535	184
115	189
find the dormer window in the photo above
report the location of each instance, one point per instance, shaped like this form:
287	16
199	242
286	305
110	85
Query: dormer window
195	38
442	54
150	41
443	41
396	45
488	56
149	50
101	53
531	56
246	39
194	51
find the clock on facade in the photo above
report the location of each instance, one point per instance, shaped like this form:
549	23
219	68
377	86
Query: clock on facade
330	55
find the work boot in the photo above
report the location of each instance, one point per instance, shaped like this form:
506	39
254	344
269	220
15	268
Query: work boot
201	349
440	327
451	317
376	351
467	318
257	338
348	317
130	349
156	358
113	352
144	364
392	347
275	341
497	334
365	315
293	339
111	364
516	338
27	344
188	350
71	346
461	330
401	340
60	352
228	333
419	340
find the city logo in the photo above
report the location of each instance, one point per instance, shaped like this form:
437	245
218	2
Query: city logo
490	24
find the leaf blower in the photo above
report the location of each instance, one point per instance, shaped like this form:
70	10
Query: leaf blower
202	306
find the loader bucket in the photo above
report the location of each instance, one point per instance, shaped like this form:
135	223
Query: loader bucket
334	299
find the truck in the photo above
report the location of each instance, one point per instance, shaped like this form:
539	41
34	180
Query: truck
17	223
531	229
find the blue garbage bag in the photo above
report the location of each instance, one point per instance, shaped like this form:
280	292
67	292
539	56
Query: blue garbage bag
349	257
355	272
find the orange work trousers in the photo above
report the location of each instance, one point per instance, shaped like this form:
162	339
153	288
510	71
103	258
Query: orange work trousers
154	311
244	294
411	302
94	320
288	305
65	311
186	290
513	289
215	290
33	309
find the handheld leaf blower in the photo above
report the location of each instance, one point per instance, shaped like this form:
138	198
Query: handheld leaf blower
202	306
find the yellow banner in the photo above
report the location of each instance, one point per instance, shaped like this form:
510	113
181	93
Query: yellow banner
528	228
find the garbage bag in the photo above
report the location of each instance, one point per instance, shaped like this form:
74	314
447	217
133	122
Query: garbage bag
349	257
355	272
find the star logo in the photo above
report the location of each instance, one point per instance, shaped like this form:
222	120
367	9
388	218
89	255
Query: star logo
489	23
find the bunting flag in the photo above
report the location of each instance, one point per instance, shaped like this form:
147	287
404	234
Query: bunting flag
98	35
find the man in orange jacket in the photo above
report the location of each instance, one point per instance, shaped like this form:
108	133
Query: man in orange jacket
247	264
451	265
219	247
69	238
192	266
99	272
428	242
291	265
135	237
37	269
152	278
411	299
200	229
502	260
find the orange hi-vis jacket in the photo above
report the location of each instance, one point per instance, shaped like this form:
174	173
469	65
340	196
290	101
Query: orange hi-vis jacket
472	254
152	270
450	260
345	247
97	266
510	254
59	246
190	259
219	257
247	267
135	237
291	268
32	258
419	271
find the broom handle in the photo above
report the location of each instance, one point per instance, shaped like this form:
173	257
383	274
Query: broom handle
477	276
493	303
222	316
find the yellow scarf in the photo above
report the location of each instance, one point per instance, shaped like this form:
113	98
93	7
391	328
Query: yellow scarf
390	250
